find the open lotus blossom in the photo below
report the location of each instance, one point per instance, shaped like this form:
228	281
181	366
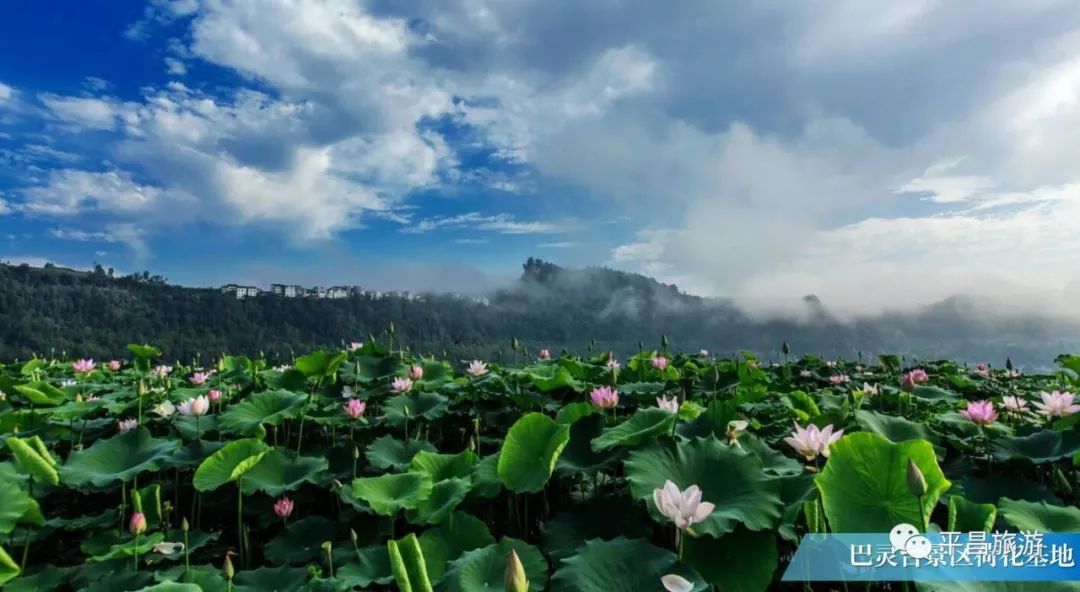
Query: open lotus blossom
982	369
1012	373
164	409
703	352
283	507
666	404
909	380
69	382
137	524
612	363
162	371
92	398
980	412
1014	404
355	345
416	372
477	368
734	428
200	378
684	508
812	441
195	407
401	385
347	392
859	368
805	373
355	408
870	390
830	363
544	354
660	363
215	395
282	367
839	379
604	397
127	424
169	548
676	583
1057	404
114	365
85	366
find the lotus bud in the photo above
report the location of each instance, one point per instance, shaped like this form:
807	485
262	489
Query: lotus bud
915	481
663	341
184	526
472	443
227	568
1062	482
515	574
390	329
356	453
137	524
514	344
1008	363
640	345
353	536
140	390
785	348
337	484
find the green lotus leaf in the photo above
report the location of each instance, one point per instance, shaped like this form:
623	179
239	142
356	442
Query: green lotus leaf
320	363
864	484
980	586
9	570
191	427
279	472
415	405
893	428
172	587
386	494
626	565
193	454
773	461
485	477
47	580
271	407
109	576
369	566
301	541
1039	517
530	451
229	463
205	577
729	477
444	466
148	501
125	546
552	377
270	578
965	516
571	412
118	458
579	456
40	393
605	518
389	452
740	561
34	459
485	568
1044	446
445	496
15	504
408	564
457	534
146	352
643	425
991	488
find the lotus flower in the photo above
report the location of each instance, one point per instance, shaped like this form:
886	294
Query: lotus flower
215	395
909	379
859	368
870	390
196	407
676	583
67	383
282	367
839	379
137	524
162	371
416	372
805	373
1057	404
734	428
200	378
604	397
114	365
980	412
666	404
355	345
401	385
283	507
164	409
544	354
168	548
612	363
477	368
660	363
1014	404
830	363
85	366
127	424
1012	373
92	398
355	408
703	352
982	370
514	579
811	441
684	508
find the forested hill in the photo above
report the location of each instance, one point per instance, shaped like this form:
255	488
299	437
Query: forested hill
94	314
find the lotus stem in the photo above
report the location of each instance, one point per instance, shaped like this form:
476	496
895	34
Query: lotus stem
135	551
240	521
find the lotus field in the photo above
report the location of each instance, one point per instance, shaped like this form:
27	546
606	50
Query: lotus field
370	468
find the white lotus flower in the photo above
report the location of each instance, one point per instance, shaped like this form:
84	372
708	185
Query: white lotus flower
684	508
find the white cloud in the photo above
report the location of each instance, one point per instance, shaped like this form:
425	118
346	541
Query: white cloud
6	93
83	112
71	192
128	234
499	223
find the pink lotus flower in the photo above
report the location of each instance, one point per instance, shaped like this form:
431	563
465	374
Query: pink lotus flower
401	385
684	508
604	397
127	424
545	354
355	346
908	380
137	524
839	379
660	363
215	395
162	371
114	365
416	372
477	368
869	390
195	407
811	442
200	378
355	408
612	363
980	412
1057	404
676	583
1014	404
982	370
666	404
85	366
283	507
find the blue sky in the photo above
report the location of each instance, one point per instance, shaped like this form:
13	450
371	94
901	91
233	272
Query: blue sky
878	155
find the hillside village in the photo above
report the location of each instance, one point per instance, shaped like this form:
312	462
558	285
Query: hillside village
331	293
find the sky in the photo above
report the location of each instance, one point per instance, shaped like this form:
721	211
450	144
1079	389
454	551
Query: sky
880	155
